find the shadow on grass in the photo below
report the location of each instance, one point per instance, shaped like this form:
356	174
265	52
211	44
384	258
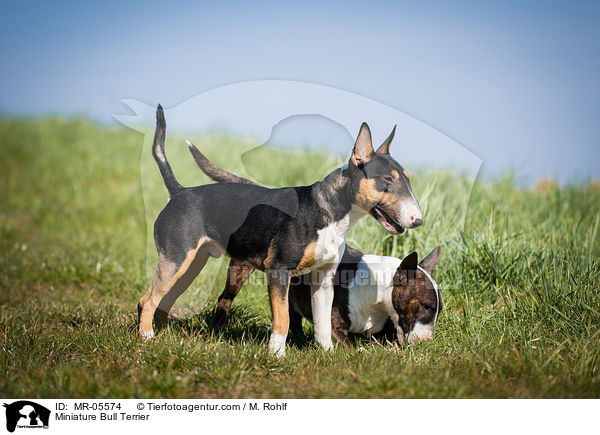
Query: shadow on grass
241	326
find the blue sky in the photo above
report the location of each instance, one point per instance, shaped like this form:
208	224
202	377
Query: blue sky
515	82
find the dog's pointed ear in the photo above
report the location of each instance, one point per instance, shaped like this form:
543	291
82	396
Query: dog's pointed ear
408	265
363	147
431	260
384	148
410	262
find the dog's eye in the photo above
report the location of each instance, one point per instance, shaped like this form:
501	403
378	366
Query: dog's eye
388	179
427	307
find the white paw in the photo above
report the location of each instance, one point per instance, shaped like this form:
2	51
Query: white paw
328	346
324	341
277	344
147	335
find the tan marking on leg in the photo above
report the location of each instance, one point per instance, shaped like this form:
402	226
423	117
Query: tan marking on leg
170	277
270	256
308	258
165	271
279	308
278	296
183	282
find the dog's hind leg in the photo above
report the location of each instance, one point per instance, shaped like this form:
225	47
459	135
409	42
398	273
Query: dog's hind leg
237	274
164	307
170	281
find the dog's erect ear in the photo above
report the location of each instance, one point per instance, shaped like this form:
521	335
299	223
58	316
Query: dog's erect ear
410	262
384	148
363	147
431	260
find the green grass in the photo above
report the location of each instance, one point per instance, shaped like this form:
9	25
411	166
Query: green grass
519	269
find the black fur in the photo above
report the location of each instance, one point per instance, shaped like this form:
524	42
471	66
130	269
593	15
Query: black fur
266	229
158	151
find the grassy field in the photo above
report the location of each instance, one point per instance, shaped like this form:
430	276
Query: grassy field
519	271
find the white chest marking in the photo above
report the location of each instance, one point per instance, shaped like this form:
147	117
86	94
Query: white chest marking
332	239
330	242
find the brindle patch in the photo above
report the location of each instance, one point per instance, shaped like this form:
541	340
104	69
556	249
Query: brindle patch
340	326
414	298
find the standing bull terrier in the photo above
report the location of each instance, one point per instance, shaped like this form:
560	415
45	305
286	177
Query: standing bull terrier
282	231
369	290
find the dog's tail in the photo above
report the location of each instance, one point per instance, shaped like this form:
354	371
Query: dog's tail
212	170
158	151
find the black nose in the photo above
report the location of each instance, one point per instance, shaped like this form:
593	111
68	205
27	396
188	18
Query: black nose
416	223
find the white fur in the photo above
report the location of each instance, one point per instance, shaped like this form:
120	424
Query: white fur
370	294
148	335
370	298
330	242
408	208
332	239
328	253
321	299
277	344
421	332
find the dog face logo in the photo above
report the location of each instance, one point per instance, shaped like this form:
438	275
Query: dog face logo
26	414
383	189
416	297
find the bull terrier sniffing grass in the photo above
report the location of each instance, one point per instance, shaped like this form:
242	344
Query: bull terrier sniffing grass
368	289
283	232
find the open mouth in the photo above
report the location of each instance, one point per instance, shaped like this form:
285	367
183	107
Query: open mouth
389	224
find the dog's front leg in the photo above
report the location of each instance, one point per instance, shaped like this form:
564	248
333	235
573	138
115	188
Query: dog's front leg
321	299
279	283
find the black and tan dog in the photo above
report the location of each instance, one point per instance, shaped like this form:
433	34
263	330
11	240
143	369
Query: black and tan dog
279	231
373	294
